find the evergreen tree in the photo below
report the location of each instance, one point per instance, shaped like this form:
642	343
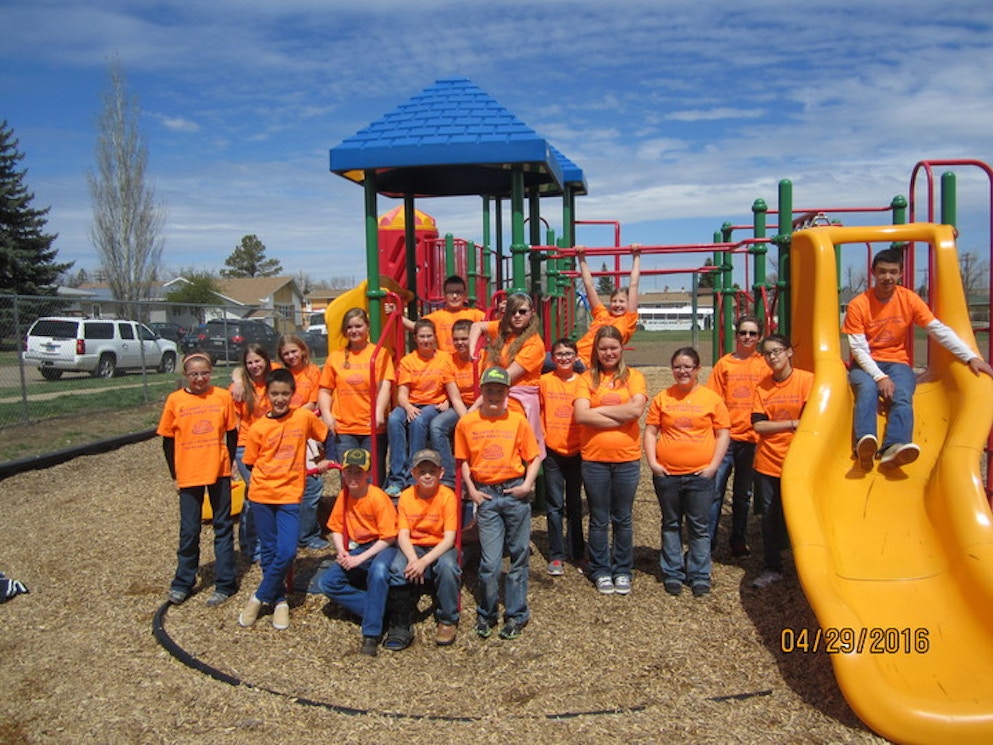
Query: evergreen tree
249	260
27	258
604	284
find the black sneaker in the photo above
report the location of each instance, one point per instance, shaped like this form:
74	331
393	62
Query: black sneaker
700	589
673	586
483	628
512	629
370	646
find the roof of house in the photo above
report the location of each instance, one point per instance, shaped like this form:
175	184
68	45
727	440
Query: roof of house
255	290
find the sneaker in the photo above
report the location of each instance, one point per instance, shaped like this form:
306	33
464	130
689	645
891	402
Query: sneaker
865	451
218	598
251	612
900	455
700	589
281	616
444	636
768	577
177	597
394	491
605	585
317	544
556	568
370	646
483	628
673	586
512	629
622	584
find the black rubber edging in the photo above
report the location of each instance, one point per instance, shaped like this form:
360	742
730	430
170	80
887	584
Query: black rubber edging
192	662
47	460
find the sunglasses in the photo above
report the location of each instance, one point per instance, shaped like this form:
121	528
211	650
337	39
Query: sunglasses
748	333
522	311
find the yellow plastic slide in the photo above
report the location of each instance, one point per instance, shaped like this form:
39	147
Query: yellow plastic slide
355	298
898	563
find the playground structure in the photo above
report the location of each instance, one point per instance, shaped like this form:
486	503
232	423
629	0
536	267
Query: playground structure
899	565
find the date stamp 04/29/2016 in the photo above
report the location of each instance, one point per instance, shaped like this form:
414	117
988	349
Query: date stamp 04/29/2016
850	640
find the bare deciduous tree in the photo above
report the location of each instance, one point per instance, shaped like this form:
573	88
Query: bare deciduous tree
127	221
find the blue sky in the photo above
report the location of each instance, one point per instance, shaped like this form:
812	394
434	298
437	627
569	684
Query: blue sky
680	115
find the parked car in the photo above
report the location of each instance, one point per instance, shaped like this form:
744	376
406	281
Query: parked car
317	342
172	331
101	347
226	340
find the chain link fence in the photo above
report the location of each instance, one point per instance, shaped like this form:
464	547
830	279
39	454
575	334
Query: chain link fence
65	356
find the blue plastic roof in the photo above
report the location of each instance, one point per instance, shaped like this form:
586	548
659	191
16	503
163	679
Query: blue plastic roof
452	139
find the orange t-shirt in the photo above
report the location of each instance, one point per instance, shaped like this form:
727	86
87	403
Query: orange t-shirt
779	402
602	316
199	424
617	444
465	379
531	355
352	399
277	451
307	379
562	434
443	320
687	423
366	519
497	449
259	410
886	325
734	381
425	377
427	519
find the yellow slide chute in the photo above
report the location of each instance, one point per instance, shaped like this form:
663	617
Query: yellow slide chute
355	298
905	554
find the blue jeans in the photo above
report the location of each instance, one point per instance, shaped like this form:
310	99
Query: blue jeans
278	527
739	456
362	590
188	553
900	422
610	490
313	489
406	438
564	498
686	496
446	574
248	538
774	535
345	442
440	437
504	522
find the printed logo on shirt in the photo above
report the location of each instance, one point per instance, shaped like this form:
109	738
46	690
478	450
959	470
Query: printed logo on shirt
203	427
355	379
742	391
682	423
564	411
492	452
610	399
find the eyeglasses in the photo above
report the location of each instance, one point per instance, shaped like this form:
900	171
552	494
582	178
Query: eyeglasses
455	292
522	311
684	368
198	374
564	355
778	351
748	333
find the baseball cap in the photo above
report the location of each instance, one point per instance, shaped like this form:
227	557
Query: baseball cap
357	457
426	455
495	375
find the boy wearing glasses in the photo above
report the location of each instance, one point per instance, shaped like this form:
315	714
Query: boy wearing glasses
455	309
877	323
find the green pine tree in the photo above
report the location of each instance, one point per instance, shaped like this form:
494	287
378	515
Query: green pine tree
27	258
249	260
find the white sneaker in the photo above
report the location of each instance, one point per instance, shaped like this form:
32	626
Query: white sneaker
767	578
900	455
622	584
251	612
281	616
865	451
605	585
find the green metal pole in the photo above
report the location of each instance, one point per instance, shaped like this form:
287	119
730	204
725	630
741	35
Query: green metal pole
487	251
899	208
449	254
949	209
783	242
727	270
759	251
472	272
410	253
518	248
372	255
534	239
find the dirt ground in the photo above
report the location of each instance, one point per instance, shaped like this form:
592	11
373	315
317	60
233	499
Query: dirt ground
94	539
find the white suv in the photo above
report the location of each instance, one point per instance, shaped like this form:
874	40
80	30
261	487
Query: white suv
100	347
